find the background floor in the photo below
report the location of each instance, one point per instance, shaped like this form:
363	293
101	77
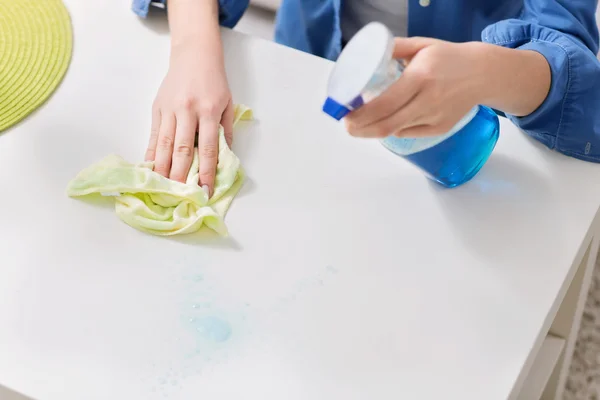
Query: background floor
584	380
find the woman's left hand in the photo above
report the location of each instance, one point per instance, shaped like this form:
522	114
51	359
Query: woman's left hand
440	84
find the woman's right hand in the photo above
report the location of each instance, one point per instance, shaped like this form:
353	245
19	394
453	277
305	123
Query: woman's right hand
193	99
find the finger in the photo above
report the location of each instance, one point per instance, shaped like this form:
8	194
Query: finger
227	122
366	132
384	106
151	150
208	150
407	48
405	118
420	119
164	146
183	150
421	131
412	114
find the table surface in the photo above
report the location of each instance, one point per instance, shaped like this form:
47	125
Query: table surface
347	275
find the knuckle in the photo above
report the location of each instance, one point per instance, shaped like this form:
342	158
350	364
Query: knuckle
188	103
381	130
210	151
165	142
424	75
150	154
208	109
161	168
206	176
184	150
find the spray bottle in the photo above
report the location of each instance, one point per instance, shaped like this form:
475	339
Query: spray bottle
365	69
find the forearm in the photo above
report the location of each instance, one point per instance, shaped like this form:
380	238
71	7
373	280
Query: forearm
195	28
518	81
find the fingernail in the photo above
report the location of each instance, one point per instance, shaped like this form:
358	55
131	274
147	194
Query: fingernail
205	188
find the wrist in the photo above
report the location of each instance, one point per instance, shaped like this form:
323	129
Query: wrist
481	74
194	25
518	81
191	56
197	47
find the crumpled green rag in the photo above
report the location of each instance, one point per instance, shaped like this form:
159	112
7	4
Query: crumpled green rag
157	205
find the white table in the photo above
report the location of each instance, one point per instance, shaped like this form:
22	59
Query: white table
347	275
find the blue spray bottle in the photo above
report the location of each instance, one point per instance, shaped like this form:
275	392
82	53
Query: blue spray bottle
365	69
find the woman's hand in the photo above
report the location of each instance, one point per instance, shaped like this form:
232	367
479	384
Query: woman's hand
444	80
194	97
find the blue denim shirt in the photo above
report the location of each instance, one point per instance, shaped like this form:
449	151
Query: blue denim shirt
563	31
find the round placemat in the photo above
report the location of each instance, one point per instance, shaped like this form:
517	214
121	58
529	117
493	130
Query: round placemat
36	41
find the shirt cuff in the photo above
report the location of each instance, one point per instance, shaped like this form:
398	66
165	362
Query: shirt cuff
545	122
231	11
142	7
558	60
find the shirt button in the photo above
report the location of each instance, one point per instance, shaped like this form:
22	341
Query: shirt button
424	3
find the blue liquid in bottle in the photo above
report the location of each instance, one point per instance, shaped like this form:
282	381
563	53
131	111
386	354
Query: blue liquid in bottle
458	158
365	69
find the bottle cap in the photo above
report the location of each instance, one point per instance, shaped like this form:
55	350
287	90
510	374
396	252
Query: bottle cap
364	59
335	109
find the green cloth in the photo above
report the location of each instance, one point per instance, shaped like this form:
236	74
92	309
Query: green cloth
157	205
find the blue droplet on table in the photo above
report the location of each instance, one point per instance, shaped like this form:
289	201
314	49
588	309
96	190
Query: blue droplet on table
212	328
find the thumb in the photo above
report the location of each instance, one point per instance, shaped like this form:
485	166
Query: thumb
407	48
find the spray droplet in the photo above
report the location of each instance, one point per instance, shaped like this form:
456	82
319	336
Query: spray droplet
213	328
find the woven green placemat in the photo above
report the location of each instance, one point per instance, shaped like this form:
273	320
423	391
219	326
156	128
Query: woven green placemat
36	41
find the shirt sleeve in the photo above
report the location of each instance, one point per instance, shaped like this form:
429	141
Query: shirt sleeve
230	11
566	34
